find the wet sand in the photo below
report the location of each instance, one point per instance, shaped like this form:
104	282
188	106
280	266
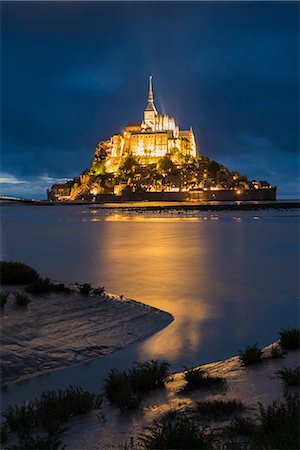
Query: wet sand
258	383
57	330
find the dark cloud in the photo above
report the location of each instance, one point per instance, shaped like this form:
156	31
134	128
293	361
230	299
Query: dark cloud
75	72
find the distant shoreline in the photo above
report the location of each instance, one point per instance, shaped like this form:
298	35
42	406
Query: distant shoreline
160	206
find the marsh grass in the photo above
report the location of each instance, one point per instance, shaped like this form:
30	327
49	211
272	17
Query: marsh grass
39	442
85	288
49	412
126	398
99	291
21	298
252	354
290	377
244	426
289	338
21	419
149	375
278	425
3	298
181	433
3	433
276	353
126	389
45	285
196	378
12	272
58	406
218	409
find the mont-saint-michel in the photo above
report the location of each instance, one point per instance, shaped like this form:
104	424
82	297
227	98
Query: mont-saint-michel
155	160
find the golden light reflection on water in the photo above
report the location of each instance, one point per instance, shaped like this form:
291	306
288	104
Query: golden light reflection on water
151	255
145	218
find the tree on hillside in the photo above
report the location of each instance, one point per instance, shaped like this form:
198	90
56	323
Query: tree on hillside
165	165
129	164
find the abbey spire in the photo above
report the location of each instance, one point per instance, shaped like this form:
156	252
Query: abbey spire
150	105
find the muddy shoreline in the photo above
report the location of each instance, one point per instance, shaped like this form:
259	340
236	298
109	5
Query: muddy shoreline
56	331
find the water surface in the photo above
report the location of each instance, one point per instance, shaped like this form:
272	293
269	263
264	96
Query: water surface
229	278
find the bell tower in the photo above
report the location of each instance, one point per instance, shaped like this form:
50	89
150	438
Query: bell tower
150	112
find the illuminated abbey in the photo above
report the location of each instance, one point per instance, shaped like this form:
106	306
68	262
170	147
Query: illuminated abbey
155	160
152	138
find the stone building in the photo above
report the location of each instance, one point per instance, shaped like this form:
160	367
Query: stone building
155	136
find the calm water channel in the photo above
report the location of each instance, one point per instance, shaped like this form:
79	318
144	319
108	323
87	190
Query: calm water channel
229	278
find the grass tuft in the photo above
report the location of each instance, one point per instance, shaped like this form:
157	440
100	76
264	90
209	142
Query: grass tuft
38	442
290	377
16	273
21	419
119	391
244	426
3	298
3	433
58	406
41	285
126	389
181	433
199	378
85	288
149	375
218	409
49	411
252	354
276	353
279	425
99	291
289	338
21	298
45	285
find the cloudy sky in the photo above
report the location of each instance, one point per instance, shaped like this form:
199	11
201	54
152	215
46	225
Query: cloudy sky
74	73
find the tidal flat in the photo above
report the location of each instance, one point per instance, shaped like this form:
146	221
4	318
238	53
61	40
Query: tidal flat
57	330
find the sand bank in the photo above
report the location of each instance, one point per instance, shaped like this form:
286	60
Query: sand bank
253	384
57	330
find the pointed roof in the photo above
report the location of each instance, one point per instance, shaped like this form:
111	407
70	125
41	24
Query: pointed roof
150	105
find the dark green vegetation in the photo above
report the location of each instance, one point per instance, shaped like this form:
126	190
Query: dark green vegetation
196	378
273	427
126	389
3	298
250	355
218	409
277	353
47	413
21	298
243	426
85	288
289	338
16	273
38	442
3	433
45	285
180	433
173	170
290	377
99	291
278	425
149	375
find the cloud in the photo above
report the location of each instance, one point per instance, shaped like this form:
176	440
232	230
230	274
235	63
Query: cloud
74	73
33	187
7	178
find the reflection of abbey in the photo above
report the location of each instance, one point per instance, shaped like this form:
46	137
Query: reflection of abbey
150	139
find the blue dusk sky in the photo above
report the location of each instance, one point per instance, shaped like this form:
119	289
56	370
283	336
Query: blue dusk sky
73	73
